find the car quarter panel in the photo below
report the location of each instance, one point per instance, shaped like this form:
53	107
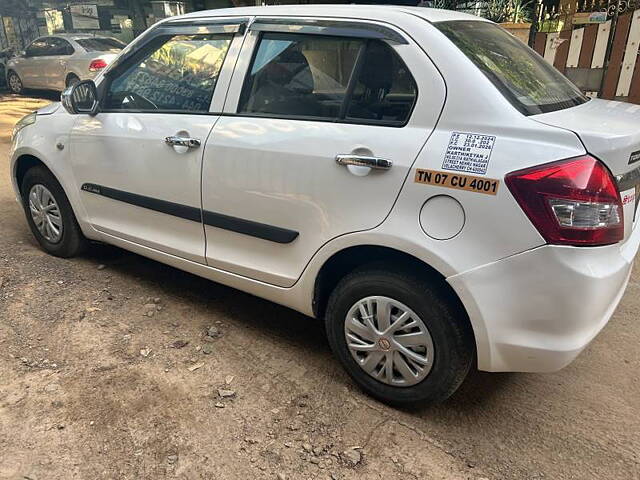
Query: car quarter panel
494	224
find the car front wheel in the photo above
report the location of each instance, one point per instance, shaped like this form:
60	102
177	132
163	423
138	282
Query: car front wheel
49	214
401	337
14	82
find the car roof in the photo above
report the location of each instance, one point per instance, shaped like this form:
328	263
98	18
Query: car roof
335	11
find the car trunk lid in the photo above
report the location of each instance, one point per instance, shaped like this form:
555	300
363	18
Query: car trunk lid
610	131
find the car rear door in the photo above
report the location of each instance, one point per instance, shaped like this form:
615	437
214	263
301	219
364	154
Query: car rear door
138	162
322	124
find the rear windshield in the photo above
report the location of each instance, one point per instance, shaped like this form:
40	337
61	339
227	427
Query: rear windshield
100	44
530	83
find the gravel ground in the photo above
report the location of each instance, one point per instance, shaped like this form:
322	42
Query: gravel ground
114	366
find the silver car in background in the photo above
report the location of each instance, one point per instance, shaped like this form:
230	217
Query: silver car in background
57	61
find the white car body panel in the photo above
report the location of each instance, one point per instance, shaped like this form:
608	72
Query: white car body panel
556	301
259	168
120	150
532	306
608	129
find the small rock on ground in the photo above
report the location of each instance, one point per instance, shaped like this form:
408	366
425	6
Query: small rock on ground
352	457
225	393
179	344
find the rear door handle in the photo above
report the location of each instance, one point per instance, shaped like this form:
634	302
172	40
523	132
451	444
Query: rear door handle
364	161
182	142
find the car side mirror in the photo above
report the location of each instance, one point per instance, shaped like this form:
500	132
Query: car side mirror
81	98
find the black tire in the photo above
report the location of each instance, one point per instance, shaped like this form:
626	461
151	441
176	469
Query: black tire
72	80
72	241
14	83
448	325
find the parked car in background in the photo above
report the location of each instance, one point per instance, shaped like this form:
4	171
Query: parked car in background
419	179
57	61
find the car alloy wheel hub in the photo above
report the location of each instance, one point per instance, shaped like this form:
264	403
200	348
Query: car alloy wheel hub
14	82
389	341
45	213
384	344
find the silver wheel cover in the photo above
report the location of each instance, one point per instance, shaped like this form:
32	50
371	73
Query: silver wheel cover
45	213
14	82
389	341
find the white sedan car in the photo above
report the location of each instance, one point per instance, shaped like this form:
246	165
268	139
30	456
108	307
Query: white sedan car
418	179
58	61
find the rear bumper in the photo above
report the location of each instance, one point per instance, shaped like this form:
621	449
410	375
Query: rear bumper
536	311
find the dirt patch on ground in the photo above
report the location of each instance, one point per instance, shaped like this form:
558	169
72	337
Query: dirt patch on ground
115	366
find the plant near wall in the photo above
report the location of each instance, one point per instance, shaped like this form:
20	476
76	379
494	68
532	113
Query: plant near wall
446	4
496	10
521	10
516	11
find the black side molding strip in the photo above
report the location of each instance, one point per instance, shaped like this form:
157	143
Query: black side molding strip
162	206
248	227
234	224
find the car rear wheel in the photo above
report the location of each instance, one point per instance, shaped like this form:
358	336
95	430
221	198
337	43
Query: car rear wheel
401	337
49	214
14	82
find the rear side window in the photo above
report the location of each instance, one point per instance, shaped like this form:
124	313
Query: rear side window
59	46
385	89
100	44
327	78
174	74
528	81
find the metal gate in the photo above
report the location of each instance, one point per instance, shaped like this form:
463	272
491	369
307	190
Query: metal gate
596	46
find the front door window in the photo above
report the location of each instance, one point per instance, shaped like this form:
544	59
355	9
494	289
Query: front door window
176	74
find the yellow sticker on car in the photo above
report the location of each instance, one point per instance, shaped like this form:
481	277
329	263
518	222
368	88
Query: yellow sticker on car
470	183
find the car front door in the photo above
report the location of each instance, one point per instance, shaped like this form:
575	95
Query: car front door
138	162
55	63
319	134
30	66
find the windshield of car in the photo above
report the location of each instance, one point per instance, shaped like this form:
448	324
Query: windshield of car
98	44
530	83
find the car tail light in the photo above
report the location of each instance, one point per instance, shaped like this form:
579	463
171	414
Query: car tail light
570	202
97	64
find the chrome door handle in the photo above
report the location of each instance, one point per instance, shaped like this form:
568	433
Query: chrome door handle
364	161
182	142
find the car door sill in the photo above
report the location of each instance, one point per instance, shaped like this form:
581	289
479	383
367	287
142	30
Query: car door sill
274	293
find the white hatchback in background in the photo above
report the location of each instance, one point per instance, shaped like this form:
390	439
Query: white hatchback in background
58	61
419	179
